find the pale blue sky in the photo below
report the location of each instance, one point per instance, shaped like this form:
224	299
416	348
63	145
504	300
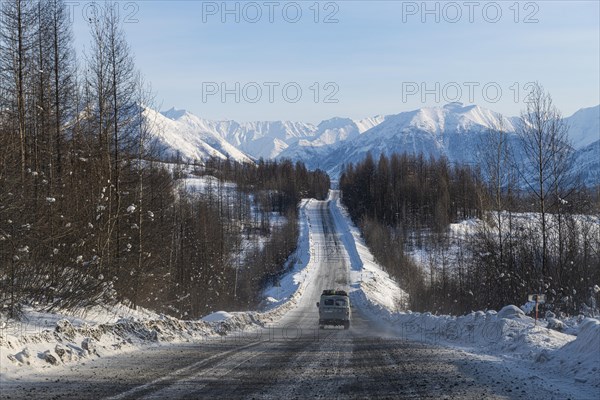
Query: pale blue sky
374	54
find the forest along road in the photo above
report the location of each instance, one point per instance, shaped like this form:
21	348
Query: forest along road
293	358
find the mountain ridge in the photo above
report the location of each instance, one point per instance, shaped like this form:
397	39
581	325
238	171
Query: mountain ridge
454	131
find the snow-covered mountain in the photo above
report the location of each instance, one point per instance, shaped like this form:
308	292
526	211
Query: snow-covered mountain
177	131
261	139
584	132
584	127
329	135
286	139
586	164
264	139
197	138
455	131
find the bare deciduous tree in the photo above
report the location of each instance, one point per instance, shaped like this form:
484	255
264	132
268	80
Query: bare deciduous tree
547	154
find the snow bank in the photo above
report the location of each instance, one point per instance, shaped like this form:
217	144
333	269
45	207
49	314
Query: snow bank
511	312
581	357
217	316
67	343
508	334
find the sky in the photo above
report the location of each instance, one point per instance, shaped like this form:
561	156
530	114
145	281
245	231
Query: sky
313	60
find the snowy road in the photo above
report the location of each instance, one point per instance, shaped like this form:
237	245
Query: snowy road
293	359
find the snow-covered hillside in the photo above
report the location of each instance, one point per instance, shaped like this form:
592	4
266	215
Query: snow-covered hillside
454	131
287	139
260	139
177	131
584	131
330	134
198	138
584	127
264	139
586	164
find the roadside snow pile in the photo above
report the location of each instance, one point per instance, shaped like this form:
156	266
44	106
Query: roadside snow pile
511	312
581	357
556	324
508	333
73	340
217	316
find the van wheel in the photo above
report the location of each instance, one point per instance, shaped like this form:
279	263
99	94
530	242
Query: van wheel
347	325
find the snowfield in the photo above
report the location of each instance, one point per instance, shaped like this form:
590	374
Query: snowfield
507	343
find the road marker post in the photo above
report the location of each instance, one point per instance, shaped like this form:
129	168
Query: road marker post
539	299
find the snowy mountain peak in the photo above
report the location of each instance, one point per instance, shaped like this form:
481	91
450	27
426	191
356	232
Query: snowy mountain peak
454	130
174	113
454	105
177	132
456	117
335	123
